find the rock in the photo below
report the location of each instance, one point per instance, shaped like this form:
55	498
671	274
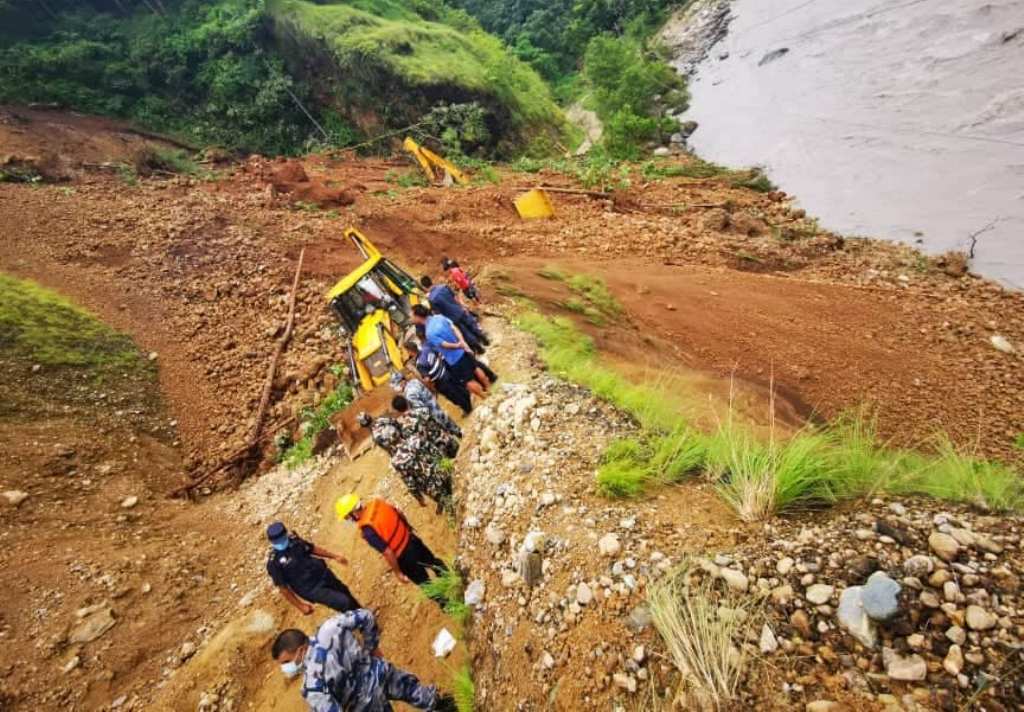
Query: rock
909	669
819	593
494	534
531	567
677	138
954	661
639	654
853	618
823	706
929	599
918	566
15	497
782	595
471	522
784	565
609	545
639	618
916	641
979	619
956	634
533	541
768	643
944	546
964	537
129	502
547	661
801	623
1001	343
474	594
662	151
187	650
71	664
626	682
735	580
881	597
584	595
92	626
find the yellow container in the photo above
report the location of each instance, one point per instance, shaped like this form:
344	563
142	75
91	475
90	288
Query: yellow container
534	204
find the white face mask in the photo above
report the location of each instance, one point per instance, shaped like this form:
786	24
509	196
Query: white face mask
291	669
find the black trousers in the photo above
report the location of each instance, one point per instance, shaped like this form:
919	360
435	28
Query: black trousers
455	392
332	593
417	560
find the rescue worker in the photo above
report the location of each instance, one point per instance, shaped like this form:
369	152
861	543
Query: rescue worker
444	302
385	431
442	335
343	671
419	396
385	528
434	372
299	571
417	421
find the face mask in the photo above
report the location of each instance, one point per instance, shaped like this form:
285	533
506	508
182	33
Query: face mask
291	669
280	545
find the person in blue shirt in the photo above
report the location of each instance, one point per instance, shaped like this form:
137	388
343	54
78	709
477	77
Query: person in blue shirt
444	337
434	372
444	302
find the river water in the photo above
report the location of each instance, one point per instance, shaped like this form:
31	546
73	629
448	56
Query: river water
898	119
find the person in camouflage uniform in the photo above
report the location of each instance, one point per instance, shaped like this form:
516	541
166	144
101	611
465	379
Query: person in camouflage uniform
418	421
419	396
342	672
385	431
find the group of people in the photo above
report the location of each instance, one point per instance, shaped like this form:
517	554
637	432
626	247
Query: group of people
341	665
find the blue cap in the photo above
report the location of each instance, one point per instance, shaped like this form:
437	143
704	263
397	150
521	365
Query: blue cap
276	530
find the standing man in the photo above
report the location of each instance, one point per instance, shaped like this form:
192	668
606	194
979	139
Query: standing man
419	396
434	371
343	671
444	337
385	528
299	571
444	302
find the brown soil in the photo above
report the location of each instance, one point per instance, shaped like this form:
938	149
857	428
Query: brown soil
198	272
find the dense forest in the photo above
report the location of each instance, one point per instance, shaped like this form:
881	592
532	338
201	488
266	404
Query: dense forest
285	76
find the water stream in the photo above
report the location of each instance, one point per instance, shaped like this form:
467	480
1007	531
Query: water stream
898	119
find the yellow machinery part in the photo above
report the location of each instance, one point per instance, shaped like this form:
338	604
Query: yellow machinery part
534	204
430	162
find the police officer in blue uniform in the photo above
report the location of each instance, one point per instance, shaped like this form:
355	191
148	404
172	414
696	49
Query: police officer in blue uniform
299	570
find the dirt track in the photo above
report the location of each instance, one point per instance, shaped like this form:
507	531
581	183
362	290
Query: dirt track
198	272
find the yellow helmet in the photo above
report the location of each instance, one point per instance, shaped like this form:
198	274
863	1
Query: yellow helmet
344	505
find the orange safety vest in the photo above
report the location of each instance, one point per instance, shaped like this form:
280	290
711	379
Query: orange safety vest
388	523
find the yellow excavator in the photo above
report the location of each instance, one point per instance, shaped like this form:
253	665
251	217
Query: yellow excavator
373	304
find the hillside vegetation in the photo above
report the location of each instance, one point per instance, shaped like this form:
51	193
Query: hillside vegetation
239	73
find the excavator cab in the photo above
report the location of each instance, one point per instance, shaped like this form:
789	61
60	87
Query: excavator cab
373	304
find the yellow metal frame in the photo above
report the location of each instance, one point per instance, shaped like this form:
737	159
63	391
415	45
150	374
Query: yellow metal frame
430	162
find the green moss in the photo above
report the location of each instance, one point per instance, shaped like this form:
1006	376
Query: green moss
40	327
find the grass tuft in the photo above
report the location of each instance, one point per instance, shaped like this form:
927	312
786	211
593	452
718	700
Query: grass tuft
314	422
464	689
707	648
630	465
449	588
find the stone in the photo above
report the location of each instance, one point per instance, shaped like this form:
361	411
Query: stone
639	618
474	594
911	668
768	643
782	595
187	650
471	522
853	618
92	625
918	566
494	534
530	568
916	641
735	580
662	151
609	545
823	706
533	541
784	565
964	537
1001	343
929	599
639	654
956	634
800	621
944	546
819	593
129	502
979	619
954	661
881	597
71	664
950	591
15	497
626	682
584	595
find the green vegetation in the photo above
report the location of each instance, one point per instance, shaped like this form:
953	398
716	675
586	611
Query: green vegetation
315	421
464	689
407	179
595	303
166	160
38	326
694	167
449	589
759	477
1019	442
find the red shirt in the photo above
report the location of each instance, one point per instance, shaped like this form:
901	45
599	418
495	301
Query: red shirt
460	278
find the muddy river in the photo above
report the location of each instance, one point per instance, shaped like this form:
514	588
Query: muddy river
899	119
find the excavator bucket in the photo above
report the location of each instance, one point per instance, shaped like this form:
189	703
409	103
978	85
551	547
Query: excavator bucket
374	305
437	169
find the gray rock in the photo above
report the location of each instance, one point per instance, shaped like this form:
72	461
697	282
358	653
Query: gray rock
639	618
93	625
735	580
919	566
474	594
626	682
15	497
547	660
944	546
188	649
784	565
1001	343
533	541
881	597
909	669
819	593
661	152
609	545
768	643
853	618
584	595
494	534
530	567
980	619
